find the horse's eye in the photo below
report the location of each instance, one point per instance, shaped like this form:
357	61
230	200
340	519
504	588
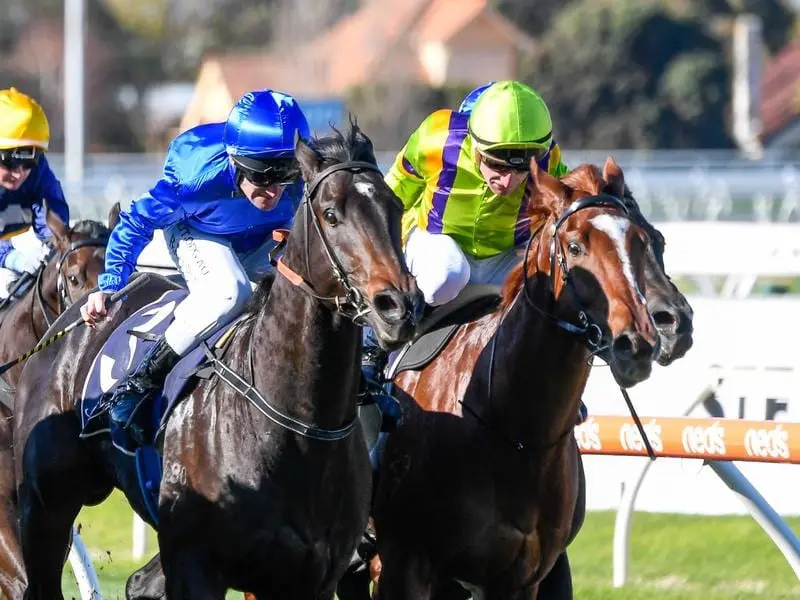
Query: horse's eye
330	217
574	249
73	280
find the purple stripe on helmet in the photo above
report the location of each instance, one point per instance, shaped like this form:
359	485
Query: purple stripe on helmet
452	147
544	161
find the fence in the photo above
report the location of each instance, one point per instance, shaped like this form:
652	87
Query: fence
717	441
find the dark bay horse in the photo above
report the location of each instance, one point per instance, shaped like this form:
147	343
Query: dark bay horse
669	308
270	505
481	482
71	273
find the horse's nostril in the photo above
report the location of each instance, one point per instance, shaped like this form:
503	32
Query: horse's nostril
389	303
632	347
664	319
622	346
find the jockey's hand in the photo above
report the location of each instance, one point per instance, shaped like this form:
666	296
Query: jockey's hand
95	308
23	262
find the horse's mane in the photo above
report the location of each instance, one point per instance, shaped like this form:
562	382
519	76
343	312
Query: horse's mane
91	229
586	179
333	148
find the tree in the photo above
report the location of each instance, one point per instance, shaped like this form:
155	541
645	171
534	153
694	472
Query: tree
628	74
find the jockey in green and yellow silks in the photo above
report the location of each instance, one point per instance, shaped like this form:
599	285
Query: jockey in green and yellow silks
462	177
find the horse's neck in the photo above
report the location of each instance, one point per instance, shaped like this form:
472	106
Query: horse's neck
538	373
305	356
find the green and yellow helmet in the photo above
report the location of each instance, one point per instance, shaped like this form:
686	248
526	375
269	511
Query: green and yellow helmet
511	124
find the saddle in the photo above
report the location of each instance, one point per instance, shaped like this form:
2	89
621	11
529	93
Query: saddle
439	326
123	350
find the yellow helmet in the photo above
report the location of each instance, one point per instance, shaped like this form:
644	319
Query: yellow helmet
22	121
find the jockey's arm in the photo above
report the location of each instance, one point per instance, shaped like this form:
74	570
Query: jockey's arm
51	193
157	209
405	182
407	176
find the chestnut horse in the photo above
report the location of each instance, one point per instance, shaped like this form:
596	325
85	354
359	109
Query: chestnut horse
481	481
69	275
275	484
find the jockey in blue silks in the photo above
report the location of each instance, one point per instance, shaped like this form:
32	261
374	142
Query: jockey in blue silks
26	183
225	188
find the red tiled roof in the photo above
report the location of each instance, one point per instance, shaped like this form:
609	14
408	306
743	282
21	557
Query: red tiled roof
780	90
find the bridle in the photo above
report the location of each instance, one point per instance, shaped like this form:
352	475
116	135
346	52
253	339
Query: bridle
61	281
591	332
351	304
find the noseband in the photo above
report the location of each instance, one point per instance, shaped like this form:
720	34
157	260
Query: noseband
352	303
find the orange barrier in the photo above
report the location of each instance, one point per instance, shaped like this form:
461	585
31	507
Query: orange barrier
683	437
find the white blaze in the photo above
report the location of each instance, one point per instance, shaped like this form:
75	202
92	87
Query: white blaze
616	228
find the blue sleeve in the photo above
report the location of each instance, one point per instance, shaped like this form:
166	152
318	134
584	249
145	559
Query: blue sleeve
157	209
49	190
5	248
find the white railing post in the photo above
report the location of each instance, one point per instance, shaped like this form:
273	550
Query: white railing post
139	538
81	563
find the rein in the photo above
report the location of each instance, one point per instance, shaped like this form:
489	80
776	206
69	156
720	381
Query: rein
591	332
352	304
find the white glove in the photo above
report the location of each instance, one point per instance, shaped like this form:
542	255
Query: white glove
22	262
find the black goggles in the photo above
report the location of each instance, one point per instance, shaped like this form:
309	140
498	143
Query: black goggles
518	159
267	172
25	158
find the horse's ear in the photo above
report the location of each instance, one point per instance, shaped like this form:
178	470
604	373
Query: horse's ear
546	189
113	215
308	158
366	152
612	175
58	227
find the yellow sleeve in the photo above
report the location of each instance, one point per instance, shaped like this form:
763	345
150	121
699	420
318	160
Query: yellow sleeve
419	158
404	180
557	166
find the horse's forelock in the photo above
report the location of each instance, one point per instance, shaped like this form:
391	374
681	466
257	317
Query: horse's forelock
339	147
90	229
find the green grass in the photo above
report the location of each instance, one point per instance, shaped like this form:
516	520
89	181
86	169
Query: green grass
674	557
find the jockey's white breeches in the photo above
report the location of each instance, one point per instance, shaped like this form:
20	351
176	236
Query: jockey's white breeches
220	283
442	269
27	243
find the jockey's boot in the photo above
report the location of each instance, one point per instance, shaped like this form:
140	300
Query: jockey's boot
373	386
130	405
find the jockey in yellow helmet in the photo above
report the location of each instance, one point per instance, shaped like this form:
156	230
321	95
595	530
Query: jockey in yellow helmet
462	179
26	182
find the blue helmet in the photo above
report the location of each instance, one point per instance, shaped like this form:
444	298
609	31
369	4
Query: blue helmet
468	102
262	126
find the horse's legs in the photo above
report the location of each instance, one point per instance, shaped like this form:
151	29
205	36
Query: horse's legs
51	493
409	578
147	583
557	585
12	569
190	577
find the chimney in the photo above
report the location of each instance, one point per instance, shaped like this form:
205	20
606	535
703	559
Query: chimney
748	58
